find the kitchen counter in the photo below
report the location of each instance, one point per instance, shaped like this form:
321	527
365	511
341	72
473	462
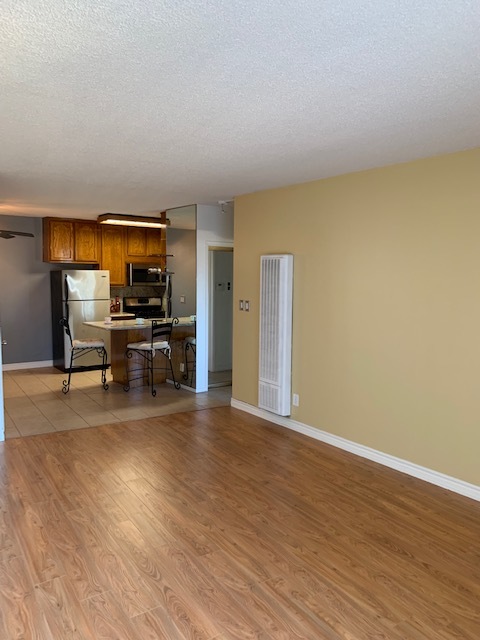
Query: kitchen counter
122	325
124	331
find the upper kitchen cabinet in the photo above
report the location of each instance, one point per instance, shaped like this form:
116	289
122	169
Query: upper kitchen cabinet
121	245
145	243
87	245
66	240
114	254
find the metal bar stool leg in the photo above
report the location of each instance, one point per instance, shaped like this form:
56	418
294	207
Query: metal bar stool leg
66	383
194	366
175	383
185	375
104	368
150	373
128	356
189	346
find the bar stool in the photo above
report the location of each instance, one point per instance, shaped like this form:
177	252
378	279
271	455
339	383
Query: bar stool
159	344
81	347
190	344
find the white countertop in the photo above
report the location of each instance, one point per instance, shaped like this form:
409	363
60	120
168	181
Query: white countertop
119	325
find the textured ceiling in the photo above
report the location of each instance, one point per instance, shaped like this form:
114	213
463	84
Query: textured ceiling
115	105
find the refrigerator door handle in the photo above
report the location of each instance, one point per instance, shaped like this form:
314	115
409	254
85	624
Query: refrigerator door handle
169	296
65	284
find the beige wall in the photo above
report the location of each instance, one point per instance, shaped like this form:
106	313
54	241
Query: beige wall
386	347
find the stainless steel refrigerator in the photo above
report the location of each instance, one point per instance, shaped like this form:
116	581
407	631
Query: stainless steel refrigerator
81	296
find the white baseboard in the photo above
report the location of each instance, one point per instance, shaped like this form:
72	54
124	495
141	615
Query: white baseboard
411	469
28	365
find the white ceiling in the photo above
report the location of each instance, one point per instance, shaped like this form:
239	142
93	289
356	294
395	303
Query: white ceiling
137	106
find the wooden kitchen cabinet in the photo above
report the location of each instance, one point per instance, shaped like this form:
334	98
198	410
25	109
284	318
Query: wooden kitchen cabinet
87	245
156	242
136	242
58	240
114	254
67	240
121	245
145	243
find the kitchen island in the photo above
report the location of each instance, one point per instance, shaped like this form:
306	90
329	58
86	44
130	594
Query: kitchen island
122	332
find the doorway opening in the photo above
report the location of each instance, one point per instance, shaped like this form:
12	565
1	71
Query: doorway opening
220	260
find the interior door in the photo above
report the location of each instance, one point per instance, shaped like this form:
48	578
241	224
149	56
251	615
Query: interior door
221	310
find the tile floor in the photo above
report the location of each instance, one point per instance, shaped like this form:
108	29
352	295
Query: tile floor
34	402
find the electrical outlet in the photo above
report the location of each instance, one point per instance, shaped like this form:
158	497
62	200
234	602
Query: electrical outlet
182	367
182	299
296	400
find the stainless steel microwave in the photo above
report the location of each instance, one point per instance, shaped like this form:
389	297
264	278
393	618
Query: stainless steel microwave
147	275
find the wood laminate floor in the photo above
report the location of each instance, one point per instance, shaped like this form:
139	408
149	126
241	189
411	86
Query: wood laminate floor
214	524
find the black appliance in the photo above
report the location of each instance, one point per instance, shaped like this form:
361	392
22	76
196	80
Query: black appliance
144	307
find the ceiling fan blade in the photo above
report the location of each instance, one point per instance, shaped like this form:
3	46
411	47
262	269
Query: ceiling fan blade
7	235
